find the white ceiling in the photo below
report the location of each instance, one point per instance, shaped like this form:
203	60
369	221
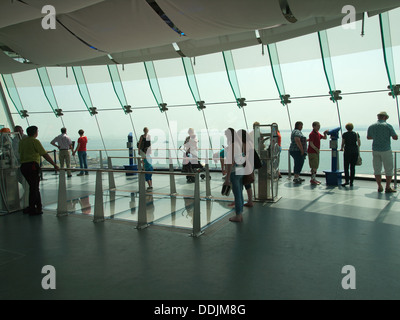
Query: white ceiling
90	32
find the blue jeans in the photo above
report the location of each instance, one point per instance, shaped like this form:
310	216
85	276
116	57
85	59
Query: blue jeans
237	189
298	161
82	160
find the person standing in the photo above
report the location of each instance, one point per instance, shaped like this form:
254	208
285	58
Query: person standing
314	146
148	176
381	132
82	154
15	142
30	150
234	158
297	150
15	145
351	145
144	144
64	144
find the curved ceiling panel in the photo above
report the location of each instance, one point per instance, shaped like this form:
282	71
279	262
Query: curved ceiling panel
192	48
119	25
200	19
87	32
306	9
9	65
46	47
14	12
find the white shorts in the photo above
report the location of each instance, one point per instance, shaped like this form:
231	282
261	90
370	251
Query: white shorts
385	158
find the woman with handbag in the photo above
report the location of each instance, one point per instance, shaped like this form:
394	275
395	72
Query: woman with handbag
351	146
233	162
248	179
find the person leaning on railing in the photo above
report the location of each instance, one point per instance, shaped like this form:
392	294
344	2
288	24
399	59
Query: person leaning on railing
30	150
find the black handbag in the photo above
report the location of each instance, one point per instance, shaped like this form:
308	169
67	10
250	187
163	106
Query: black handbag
226	189
257	161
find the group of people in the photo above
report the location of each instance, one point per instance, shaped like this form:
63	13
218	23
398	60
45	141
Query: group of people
235	167
64	144
380	132
29	150
298	150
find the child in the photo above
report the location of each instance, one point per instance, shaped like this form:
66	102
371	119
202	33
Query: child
148	176
313	150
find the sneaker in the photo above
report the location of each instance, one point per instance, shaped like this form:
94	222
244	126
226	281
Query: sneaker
37	212
389	190
297	180
149	188
314	182
86	173
380	189
27	210
80	174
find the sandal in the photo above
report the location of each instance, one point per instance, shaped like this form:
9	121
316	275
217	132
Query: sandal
389	190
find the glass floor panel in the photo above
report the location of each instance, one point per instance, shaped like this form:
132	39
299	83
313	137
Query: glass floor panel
163	210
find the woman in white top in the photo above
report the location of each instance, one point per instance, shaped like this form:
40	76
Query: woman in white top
234	163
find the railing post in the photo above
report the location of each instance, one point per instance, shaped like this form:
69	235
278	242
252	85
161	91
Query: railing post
395	170
55	160
142	216
196	214
208	187
101	159
111	181
98	199
172	184
62	195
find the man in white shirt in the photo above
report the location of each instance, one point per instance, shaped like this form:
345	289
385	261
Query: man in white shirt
64	144
15	145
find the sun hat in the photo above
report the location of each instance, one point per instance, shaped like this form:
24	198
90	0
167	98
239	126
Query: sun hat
383	113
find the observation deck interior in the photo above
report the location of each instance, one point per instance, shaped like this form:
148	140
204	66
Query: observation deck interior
294	248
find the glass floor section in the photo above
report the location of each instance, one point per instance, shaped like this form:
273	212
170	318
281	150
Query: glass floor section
172	211
123	204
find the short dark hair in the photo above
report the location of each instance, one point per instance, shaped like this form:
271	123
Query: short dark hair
298	124
31	131
63	130
81	131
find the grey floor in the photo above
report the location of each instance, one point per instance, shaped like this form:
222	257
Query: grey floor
292	249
